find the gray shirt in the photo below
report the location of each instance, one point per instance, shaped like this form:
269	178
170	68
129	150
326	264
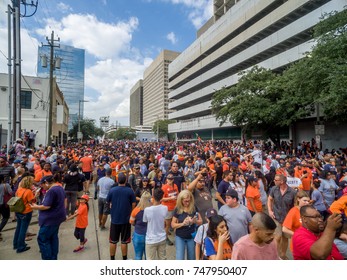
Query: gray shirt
105	184
238	219
282	203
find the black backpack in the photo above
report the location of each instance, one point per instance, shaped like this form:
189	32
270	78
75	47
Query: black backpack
12	150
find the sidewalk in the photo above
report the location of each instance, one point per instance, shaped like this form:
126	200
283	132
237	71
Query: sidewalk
97	247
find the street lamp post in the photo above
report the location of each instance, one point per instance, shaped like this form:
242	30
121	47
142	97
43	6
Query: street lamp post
79	138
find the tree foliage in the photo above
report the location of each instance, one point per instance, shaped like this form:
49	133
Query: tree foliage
88	128
122	133
268	101
163	127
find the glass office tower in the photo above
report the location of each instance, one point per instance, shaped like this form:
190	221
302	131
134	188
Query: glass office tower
70	76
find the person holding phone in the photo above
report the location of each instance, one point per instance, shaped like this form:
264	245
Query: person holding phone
185	221
314	240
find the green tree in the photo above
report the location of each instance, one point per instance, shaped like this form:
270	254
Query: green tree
88	129
163	127
252	103
122	133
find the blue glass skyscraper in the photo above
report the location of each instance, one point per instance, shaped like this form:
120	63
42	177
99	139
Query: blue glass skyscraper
70	77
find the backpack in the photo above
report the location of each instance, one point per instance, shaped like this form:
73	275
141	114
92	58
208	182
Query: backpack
12	150
16	204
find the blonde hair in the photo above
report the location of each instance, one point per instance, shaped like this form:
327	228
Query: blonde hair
300	194
145	200
26	182
179	204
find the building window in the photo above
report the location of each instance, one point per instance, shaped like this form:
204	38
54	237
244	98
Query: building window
25	99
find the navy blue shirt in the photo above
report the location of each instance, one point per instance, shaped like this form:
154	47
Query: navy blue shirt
56	214
121	199
222	189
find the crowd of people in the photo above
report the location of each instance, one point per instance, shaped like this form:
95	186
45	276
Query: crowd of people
211	200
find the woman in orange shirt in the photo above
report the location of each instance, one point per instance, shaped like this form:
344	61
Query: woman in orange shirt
253	195
23	219
218	245
293	221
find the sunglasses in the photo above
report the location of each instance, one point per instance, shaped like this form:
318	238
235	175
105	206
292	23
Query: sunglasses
170	178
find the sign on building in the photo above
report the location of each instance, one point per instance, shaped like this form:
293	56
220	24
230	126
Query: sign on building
104	122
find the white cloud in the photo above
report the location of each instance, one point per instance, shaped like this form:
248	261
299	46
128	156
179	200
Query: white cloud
100	39
113	79
64	8
172	37
200	10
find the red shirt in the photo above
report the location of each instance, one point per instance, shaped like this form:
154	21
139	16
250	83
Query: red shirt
303	239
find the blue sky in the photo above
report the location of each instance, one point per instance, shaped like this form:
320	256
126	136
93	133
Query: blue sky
121	39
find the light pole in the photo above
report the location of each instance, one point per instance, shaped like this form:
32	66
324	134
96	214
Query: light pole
157	127
79	136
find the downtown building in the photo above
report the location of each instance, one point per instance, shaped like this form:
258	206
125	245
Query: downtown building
136	104
155	88
240	35
70	77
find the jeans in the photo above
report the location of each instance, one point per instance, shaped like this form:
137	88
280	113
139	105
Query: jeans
5	214
181	245
71	198
139	245
23	221
48	242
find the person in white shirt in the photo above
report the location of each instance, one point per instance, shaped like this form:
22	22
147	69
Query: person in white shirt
154	216
293	182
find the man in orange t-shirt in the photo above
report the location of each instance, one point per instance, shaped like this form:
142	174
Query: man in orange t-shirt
169	199
87	169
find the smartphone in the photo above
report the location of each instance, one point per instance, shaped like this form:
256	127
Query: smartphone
197	215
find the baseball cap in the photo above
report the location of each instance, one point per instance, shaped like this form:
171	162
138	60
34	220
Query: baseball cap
232	193
211	212
151	164
343	184
145	179
136	166
46	179
252	179
86	197
17	161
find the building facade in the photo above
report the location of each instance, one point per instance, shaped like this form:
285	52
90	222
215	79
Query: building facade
136	104
155	88
268	33
35	109
70	77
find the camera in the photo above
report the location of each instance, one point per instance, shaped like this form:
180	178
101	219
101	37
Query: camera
204	174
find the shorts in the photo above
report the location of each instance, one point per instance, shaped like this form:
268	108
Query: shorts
123	231
103	206
169	215
87	175
278	230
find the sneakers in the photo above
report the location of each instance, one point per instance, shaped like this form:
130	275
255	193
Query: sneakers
78	249
169	242
24	250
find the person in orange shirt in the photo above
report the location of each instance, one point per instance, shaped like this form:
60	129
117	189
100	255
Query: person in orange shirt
81	222
340	206
293	221
304	173
169	199
253	196
113	166
87	169
45	171
23	219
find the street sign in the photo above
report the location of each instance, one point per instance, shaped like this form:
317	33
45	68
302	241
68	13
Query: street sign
319	129
79	135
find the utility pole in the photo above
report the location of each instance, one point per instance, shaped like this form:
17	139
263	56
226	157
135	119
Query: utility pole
52	66
16	96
